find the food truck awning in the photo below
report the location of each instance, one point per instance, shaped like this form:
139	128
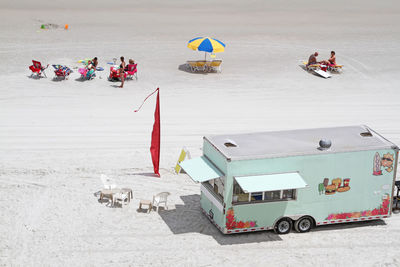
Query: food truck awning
271	182
200	169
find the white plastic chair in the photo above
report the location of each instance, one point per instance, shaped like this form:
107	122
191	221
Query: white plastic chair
161	198
120	198
108	182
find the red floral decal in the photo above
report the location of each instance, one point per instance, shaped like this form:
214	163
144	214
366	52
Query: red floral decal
382	210
231	222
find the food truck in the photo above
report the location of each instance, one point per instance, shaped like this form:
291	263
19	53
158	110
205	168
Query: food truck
295	179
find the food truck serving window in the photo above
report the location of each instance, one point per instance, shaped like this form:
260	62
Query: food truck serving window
271	187
216	186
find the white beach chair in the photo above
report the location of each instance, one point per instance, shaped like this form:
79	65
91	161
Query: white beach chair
108	183
121	198
161	198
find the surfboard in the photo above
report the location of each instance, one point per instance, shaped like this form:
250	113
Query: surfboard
322	73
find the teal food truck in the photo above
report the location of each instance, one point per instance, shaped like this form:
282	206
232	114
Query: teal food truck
295	179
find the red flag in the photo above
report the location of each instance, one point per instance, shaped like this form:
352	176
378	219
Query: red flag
155	135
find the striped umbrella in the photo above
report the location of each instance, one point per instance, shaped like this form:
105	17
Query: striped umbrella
206	44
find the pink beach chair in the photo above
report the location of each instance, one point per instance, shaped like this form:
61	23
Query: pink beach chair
131	71
86	74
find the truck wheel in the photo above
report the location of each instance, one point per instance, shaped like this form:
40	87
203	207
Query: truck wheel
283	226
303	225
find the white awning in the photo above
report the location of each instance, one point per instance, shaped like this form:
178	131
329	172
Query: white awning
271	182
200	169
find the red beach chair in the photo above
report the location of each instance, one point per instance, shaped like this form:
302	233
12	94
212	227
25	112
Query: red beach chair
114	73
61	71
37	68
131	71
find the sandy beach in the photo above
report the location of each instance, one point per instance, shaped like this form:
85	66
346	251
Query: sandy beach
58	137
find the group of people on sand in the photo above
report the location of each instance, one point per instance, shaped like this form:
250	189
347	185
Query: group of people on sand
123	67
313	60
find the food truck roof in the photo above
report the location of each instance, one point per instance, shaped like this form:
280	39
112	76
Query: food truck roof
298	142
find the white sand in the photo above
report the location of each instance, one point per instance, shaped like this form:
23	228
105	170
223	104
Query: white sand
56	138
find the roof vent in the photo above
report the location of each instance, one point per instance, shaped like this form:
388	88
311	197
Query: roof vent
366	134
230	143
324	144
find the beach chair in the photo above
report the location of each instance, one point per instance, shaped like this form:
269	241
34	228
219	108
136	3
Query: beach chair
61	71
312	66
109	189
201	65
38	69
87	74
114	73
108	183
208	66
121	198
192	65
160	198
131	71
216	65
335	68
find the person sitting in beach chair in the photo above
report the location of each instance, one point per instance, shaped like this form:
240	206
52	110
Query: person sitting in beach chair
131	70
92	64
312	60
331	63
331	60
87	73
312	63
61	71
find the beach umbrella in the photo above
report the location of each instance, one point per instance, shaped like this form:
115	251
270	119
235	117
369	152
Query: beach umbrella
206	44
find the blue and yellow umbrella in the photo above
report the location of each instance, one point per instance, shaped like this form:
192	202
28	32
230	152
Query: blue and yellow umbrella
206	44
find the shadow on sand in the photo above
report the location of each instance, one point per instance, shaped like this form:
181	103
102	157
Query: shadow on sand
81	79
186	68
309	71
148	174
313	73
59	79
35	77
188	218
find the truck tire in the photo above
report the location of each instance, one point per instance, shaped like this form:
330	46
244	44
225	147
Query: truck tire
283	226
303	224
